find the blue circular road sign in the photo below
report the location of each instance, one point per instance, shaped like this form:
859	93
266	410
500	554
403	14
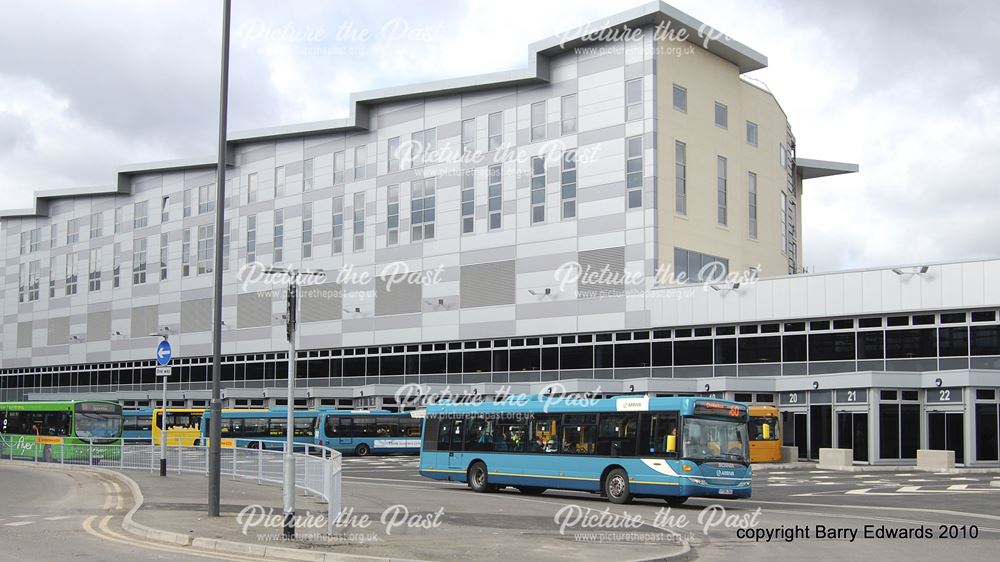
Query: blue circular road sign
163	353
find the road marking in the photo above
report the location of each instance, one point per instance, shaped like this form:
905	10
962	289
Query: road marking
858	491
58	517
25	516
966	479
958	486
106	534
919	480
18	523
906	489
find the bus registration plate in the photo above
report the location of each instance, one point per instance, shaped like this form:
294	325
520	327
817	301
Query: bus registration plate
726	492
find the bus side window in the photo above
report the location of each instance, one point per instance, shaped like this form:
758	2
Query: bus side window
431	434
444	436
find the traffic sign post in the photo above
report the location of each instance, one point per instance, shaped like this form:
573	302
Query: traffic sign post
163	355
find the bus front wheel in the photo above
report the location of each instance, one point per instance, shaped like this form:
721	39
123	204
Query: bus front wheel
479	478
362	450
616	486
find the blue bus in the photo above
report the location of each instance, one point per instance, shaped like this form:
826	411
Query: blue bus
265	429
623	447
138	424
363	432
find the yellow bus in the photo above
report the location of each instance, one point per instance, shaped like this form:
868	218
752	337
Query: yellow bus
765	434
183	425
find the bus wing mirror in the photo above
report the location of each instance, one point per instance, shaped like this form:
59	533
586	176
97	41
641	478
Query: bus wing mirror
671	443
767	431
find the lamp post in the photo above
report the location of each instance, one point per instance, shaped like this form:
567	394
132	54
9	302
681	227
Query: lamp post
291	313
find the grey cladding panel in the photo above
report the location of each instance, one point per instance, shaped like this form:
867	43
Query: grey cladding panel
318	303
395	296
196	315
58	329
144	321
253	310
594	280
24	334
487	284
99	326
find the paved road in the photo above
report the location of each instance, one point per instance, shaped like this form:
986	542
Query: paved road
805	498
55	514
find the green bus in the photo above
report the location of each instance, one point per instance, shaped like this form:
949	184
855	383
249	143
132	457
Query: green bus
70	430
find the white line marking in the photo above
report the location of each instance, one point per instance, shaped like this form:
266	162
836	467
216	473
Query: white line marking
907	489
57	517
18	523
858	491
958	486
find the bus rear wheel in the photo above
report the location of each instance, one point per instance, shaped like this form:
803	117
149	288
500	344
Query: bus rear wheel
675	500
362	450
479	478
616	486
531	490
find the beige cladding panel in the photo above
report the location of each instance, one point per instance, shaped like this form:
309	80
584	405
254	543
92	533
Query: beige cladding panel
709	79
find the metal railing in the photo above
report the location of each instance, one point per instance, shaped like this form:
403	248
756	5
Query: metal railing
318	469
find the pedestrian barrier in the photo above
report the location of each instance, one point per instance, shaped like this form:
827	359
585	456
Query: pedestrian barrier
318	470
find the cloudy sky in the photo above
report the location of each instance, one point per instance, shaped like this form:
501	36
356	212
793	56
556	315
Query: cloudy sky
907	89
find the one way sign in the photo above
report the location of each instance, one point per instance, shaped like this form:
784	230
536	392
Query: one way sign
163	353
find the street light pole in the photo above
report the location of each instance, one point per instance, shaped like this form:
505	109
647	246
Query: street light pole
163	427
214	427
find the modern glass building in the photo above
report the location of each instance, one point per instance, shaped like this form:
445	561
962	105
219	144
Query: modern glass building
621	216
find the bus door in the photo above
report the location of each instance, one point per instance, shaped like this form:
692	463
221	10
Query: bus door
455	457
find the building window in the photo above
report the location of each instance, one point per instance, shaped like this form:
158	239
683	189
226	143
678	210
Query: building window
721	115
423	146
680	177
34	239
279	182
494	193
54	234
359	221
187	207
163	256
633	99
721	166
680	98
71	273
307	230
232	193
252	186
568	184
568	113
392	154
633	171
22	282
186	253
226	235
752	203
495	130
139	261
140	218
782	156
392	215
53	274
782	222
279	235
164	209
468	136
94	267
751	133
206	199
33	273
206	249
24	243
538	121
468	201
697	267
537	189
360	162
422	209
251	238
307	174
96	225
116	266
73	231
338	167
338	224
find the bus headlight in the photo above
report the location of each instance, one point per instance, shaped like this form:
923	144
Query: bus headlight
699	481
744	483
